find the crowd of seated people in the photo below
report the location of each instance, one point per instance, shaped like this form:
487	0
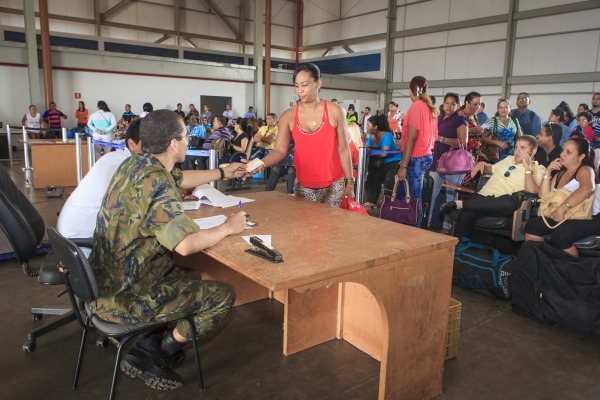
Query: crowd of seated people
461	122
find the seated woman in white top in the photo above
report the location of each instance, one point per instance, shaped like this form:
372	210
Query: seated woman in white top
575	173
31	120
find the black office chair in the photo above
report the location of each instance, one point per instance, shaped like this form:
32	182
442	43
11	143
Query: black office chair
24	228
511	226
81	284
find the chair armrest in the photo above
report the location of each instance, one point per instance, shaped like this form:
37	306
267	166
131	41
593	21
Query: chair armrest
458	188
83	242
520	218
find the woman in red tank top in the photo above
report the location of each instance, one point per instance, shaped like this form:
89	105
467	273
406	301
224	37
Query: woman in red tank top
321	156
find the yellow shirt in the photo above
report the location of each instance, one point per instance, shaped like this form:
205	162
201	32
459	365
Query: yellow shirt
499	184
265	131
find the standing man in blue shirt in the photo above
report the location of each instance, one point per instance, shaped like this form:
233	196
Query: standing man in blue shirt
530	122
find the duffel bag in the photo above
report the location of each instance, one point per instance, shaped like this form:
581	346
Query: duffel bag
483	269
552	287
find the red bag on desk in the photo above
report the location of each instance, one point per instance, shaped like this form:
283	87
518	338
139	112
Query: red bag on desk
351	205
404	211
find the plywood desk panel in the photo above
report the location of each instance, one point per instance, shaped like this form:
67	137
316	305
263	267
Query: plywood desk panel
407	270
54	162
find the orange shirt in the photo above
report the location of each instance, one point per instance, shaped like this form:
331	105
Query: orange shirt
82	116
316	156
419	117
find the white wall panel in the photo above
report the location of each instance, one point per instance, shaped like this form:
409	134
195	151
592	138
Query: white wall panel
555	24
429	63
396	75
321	33
556	54
369	46
475	61
316	11
584	87
366	25
400	18
477	34
427	14
462	10
81	9
72	28
281	36
398	44
426	41
358	7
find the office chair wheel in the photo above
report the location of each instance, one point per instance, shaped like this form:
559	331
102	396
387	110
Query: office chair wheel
36	316
102	341
29	346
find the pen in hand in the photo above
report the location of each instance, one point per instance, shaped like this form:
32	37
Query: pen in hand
240	206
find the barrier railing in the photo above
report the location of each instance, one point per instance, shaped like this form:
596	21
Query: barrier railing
213	155
363	152
9	142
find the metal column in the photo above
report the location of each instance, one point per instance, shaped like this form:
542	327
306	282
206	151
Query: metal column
91	153
213	163
78	163
9	142
27	169
360	176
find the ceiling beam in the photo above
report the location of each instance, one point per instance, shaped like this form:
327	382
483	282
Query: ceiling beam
217	11
337	43
348	49
114	9
162	39
189	40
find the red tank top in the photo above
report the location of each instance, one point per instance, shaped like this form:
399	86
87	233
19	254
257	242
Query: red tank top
316	156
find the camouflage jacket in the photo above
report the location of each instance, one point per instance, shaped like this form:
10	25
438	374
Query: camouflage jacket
140	222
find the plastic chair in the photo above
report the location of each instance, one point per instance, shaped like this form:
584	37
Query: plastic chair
81	284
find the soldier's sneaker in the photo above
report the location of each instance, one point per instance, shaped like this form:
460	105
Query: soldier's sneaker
153	371
150	344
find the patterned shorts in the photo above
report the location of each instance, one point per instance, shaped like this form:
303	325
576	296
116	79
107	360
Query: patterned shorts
330	195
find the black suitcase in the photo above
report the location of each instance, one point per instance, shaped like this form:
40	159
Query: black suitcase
556	289
483	268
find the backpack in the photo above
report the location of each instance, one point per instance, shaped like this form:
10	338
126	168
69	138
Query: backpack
220	145
483	269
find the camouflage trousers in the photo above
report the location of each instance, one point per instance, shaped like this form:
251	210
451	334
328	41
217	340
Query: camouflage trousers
174	297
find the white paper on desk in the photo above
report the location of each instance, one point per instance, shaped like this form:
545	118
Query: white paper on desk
265	238
212	197
191	205
210	222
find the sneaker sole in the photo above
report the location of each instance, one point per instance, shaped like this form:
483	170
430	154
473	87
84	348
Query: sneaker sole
151	380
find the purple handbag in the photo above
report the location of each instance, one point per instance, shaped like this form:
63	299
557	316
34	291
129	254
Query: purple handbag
456	161
404	211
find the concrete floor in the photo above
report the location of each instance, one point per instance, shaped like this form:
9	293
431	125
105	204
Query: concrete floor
501	355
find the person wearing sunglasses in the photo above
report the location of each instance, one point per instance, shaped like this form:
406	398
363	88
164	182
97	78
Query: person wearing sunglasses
511	175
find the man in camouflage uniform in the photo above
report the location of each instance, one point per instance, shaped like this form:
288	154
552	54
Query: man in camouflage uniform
140	223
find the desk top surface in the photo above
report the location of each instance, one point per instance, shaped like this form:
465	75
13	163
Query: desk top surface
317	242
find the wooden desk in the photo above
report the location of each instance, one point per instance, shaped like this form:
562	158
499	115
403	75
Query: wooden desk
382	286
54	162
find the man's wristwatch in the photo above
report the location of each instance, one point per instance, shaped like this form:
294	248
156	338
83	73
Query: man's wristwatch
567	205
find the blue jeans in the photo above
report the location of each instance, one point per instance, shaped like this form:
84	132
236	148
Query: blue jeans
451	194
417	167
